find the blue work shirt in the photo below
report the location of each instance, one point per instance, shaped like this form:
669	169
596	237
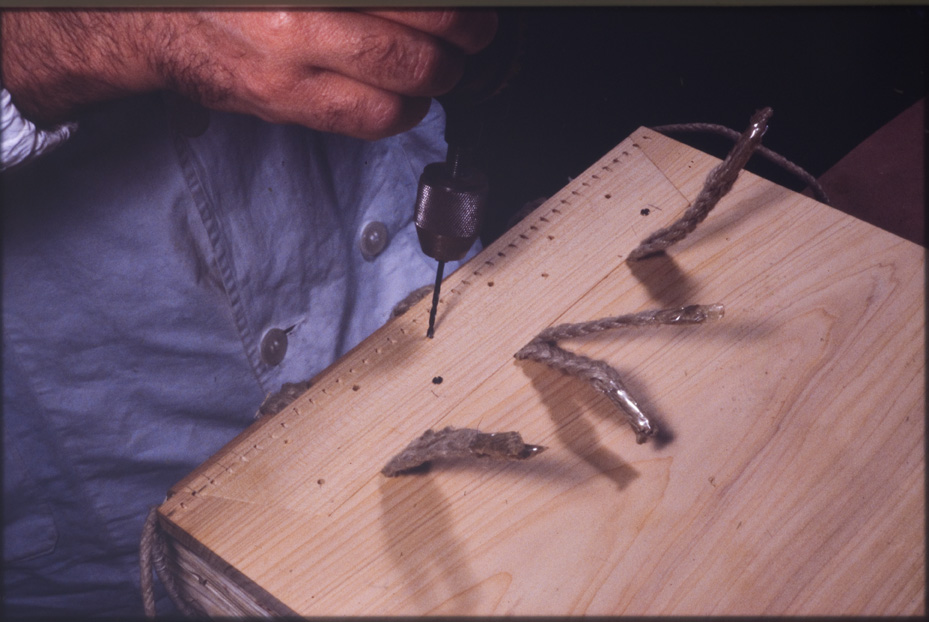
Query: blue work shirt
142	271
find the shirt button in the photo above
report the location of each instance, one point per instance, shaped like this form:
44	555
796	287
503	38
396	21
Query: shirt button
273	346
373	239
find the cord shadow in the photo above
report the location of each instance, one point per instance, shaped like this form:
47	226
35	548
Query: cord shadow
419	532
664	279
574	431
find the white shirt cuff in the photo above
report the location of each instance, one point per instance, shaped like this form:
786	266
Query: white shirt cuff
21	140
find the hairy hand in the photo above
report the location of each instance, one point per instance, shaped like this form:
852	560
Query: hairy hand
362	73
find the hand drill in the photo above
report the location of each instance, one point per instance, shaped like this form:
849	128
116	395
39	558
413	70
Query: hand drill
452	195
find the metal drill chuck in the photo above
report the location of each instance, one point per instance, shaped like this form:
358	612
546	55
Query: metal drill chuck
449	209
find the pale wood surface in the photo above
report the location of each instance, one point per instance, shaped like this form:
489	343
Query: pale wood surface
791	481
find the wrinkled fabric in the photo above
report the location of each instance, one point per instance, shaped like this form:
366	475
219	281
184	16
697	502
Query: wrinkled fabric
20	139
141	270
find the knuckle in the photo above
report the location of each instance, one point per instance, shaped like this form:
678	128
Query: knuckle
376	48
444	21
277	22
412	67
432	71
471	30
277	34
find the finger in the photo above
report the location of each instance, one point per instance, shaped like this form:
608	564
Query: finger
381	53
468	30
331	102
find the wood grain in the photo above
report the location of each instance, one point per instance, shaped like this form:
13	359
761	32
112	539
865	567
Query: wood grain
788	478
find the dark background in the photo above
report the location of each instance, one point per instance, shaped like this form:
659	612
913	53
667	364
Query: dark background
588	77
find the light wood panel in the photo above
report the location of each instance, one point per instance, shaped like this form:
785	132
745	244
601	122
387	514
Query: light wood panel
788	478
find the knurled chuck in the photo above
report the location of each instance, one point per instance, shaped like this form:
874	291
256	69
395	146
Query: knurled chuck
449	208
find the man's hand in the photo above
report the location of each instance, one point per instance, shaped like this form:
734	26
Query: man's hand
367	74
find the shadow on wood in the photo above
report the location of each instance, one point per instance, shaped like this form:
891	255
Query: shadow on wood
419	533
663	278
567	410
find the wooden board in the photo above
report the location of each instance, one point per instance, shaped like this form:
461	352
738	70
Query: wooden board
790	480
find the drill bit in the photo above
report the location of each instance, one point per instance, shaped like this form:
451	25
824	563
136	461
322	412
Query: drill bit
430	332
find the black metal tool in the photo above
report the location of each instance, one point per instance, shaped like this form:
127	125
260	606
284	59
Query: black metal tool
449	208
452	195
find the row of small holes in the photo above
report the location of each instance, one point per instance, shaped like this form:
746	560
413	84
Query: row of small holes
476	272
